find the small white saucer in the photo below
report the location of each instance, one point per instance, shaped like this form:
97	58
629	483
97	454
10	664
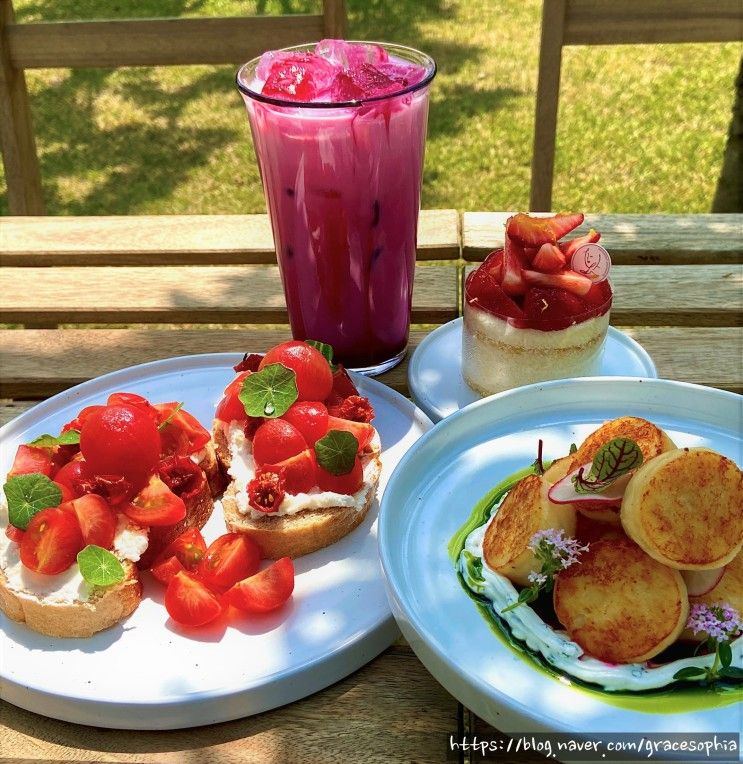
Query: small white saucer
435	369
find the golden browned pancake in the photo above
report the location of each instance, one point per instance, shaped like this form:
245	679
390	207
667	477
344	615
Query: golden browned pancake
685	509
619	604
525	510
651	439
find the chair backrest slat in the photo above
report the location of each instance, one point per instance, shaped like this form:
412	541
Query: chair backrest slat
112	44
612	22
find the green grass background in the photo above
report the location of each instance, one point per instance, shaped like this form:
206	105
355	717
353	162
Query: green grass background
641	128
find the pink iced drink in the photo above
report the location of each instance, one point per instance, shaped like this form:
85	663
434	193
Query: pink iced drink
340	132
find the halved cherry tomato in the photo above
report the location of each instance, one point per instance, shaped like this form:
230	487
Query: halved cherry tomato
155	504
299	472
190	602
265	591
14	534
164	571
347	484
229	559
67	494
30	459
97	520
181	423
121	440
189	548
230	408
362	431
51	541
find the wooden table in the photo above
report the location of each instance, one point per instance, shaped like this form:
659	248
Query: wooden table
166	280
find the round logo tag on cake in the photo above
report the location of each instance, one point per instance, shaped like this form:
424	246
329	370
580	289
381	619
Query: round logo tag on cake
593	261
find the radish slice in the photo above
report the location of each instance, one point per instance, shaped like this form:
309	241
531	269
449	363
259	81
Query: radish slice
699	582
563	491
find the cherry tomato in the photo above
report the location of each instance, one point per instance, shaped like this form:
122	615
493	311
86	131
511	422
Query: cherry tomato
189	434
348	484
164	571
230	408
189	548
276	440
229	559
265	591
299	472
97	520
74	476
155	504
51	541
314	377
30	459
132	399
190	602
310	418
250	362
121	440
362	431
266	490
14	534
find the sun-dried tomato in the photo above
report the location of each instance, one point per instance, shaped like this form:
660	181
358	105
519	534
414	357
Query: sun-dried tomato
266	490
114	488
250	362
182	476
355	408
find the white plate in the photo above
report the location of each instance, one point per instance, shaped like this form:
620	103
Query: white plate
147	673
435	370
432	493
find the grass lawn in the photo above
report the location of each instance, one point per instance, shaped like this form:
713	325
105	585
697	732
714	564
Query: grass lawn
641	128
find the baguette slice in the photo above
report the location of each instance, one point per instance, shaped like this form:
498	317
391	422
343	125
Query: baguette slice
105	608
301	533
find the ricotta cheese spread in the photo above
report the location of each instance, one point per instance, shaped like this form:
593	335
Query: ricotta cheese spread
242	471
130	542
556	646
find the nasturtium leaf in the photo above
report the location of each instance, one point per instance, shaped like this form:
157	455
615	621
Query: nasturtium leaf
170	417
269	392
336	452
68	438
29	494
612	460
99	567
324	348
690	672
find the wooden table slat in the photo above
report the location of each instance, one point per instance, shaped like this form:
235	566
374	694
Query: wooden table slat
185	294
631	239
41	362
175	239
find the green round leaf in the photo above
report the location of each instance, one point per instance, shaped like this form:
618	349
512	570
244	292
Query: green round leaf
324	348
29	494
68	438
690	672
733	672
336	452
725	653
269	392
99	567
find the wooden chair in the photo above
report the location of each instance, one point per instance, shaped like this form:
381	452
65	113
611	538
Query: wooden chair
612	22
113	44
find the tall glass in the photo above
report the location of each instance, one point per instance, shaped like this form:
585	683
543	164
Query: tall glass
342	183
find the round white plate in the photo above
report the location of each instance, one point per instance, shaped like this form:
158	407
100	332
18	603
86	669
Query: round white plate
432	493
435	370
147	672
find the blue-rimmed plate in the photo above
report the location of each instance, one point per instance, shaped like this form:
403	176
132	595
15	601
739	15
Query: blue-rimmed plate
435	370
432	493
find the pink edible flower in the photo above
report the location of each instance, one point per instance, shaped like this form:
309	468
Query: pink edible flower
553	543
720	622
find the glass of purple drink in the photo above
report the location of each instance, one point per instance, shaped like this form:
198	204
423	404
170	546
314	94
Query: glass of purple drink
339	130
